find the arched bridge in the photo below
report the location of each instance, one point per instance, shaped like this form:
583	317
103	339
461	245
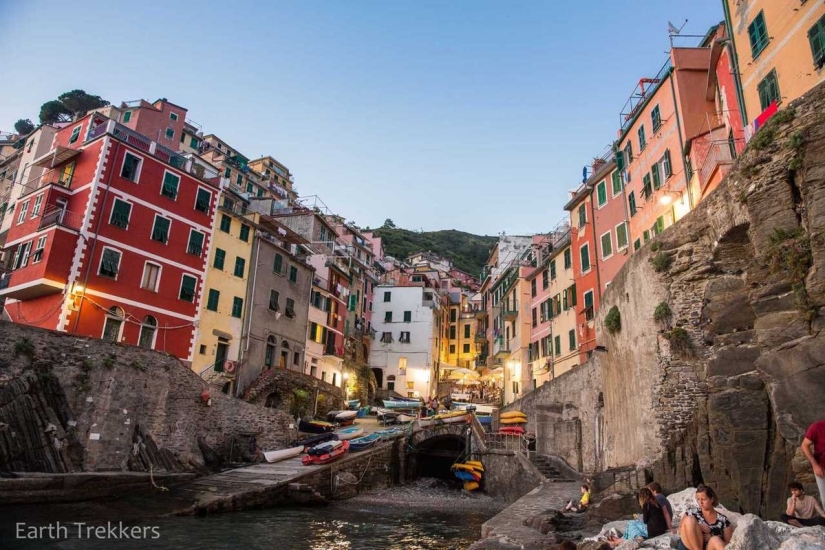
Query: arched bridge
435	446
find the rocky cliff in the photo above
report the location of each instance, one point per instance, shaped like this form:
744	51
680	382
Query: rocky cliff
719	365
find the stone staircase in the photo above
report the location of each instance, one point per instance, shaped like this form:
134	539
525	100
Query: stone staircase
548	469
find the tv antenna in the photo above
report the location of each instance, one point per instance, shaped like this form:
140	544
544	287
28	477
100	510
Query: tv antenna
673	31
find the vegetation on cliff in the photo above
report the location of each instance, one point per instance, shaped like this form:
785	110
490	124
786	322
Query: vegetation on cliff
468	252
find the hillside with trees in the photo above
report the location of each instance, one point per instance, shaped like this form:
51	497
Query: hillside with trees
468	252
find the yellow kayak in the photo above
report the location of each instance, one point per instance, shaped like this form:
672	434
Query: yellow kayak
512	414
513	421
470	485
476	463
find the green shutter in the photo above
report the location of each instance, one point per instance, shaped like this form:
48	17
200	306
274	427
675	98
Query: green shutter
237	307
668	165
582	216
573	295
601	192
203	200
617	182
195	243
279	264
572	337
120	214
816	36
240	266
631	203
558	345
187	288
654	170
212	301
170	185
553	269
585	257
758	34
220	256
620	161
160	231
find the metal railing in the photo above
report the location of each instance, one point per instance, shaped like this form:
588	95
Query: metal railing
719	153
54	215
507	442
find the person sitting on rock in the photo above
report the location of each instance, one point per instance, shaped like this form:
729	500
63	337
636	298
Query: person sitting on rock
652	523
803	510
813	447
584	502
704	528
656	489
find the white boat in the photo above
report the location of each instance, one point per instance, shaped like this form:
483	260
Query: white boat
480	408
283	454
402	404
350	433
447	418
346	415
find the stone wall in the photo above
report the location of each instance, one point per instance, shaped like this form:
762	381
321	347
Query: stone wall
276	388
70	404
509	475
722	389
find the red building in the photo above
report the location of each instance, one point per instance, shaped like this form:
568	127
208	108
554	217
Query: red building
112	241
610	216
583	256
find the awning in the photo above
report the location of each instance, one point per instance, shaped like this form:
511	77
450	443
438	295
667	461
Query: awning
56	156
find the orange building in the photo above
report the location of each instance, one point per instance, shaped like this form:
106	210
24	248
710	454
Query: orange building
779	51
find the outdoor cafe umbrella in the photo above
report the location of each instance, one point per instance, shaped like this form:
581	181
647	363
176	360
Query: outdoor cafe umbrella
459	373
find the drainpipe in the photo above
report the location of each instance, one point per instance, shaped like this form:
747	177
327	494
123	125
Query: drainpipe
595	259
681	140
100	217
737	78
247	314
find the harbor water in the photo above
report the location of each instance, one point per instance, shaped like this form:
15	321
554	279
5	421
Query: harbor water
428	514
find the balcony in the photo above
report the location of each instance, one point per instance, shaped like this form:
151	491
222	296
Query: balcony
717	162
480	313
480	337
334	351
501	348
54	215
509	310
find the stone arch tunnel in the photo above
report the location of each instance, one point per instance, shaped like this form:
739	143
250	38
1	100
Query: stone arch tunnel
434	450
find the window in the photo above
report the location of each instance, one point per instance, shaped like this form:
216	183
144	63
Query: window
203	201
557	302
620	164
637	244
75	134
120	214
642	140
237	307
568	259
631	203
628	151
758	34
293	274
557	346
195	245
582	216
405	338
659	226
646	235
621	236
465	348
565	305
466	331
584	252
109	263
588	305
386	337
193	143
296	357
127	116
187	288
656	118
768	90
170	133
160	229
239	179
535	318
647	187
131	167
244	234
66	175
387	296
113	324
173	116
220	257
601	193
147	332
170	185
23	211
22	257
617	182
816	36
572	337
38	202
572	293
274	298
212	300
545	279
553	268
408	316
278	266
290	308
607	245
38	249
151	277
226	223
668	167
452	349
240	266
452	332
533	288
657	180
453	315
388	316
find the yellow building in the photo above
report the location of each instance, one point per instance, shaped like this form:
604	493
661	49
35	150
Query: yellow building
562	311
459	342
218	338
780	50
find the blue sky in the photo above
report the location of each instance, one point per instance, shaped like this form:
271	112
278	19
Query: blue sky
475	116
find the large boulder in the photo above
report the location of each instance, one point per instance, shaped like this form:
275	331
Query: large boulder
752	533
808	538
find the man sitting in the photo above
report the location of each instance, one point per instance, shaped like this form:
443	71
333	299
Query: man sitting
803	510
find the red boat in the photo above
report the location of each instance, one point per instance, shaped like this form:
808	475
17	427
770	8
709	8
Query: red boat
511	430
326	458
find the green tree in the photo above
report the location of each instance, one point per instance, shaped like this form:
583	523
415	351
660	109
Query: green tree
389	223
24	127
54	111
79	102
